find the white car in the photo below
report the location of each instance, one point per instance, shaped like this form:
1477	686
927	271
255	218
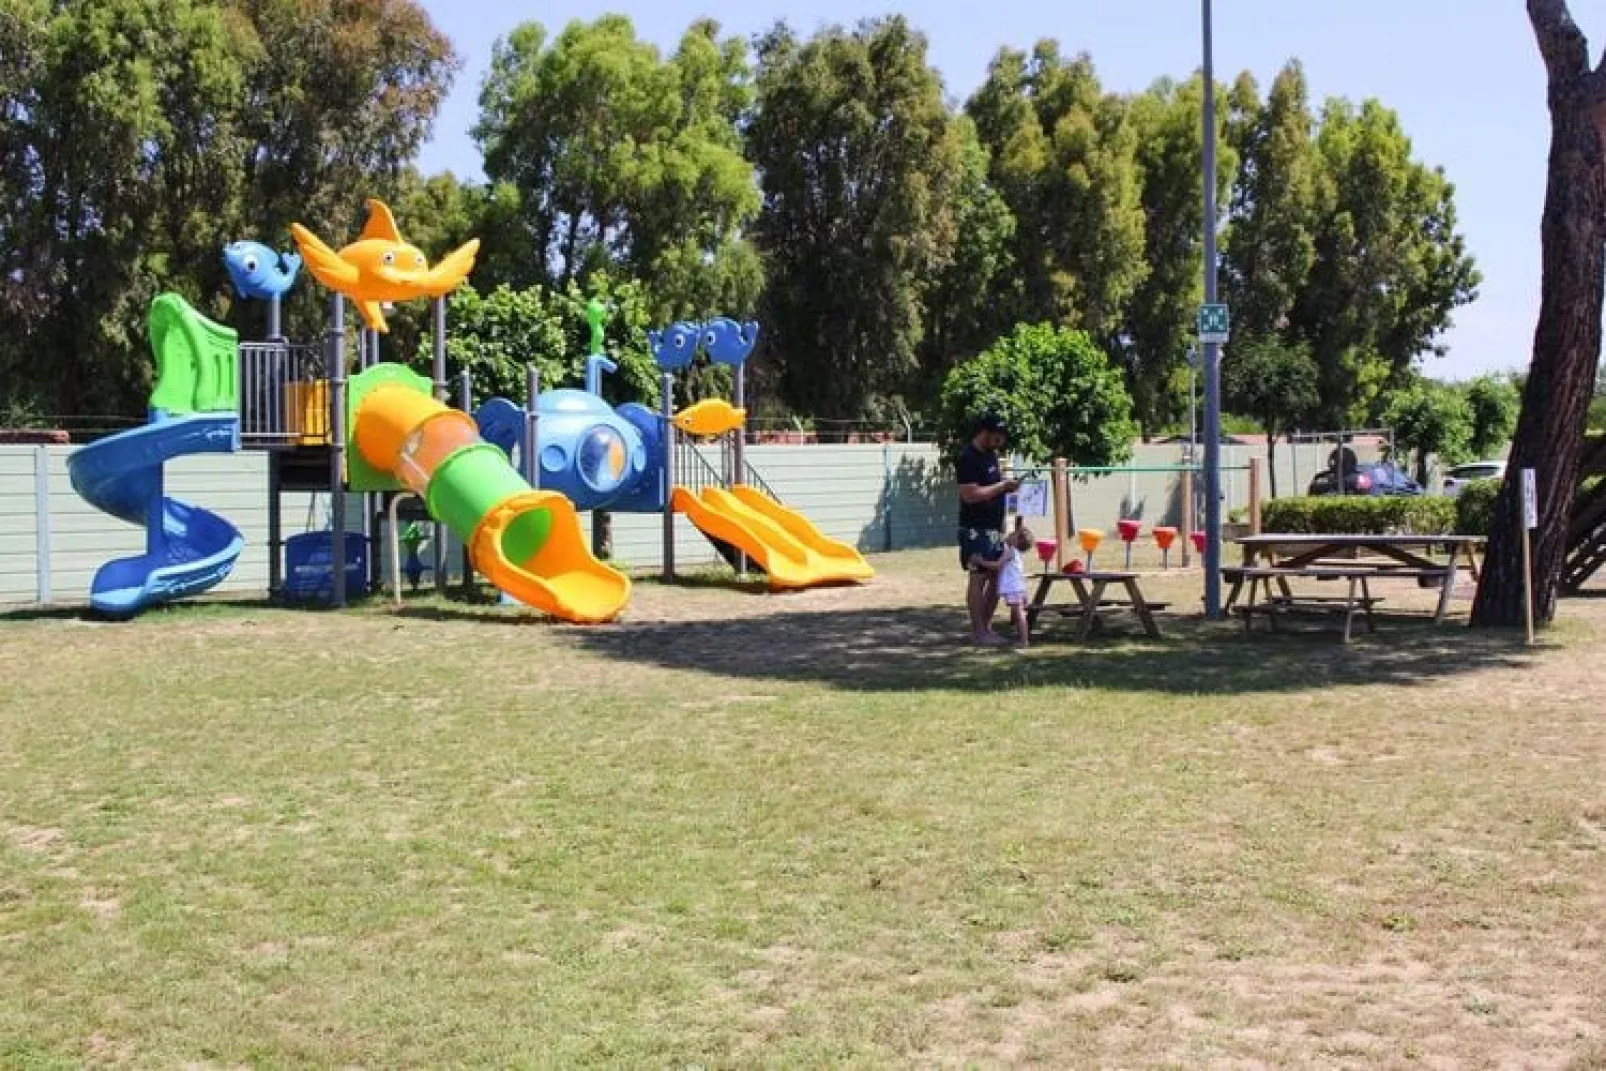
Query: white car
1458	477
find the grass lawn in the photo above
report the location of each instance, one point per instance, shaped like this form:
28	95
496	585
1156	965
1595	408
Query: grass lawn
810	830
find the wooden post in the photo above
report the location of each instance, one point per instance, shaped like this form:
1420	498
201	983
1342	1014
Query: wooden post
1062	511
1528	583
1187	518
1254	496
1530	521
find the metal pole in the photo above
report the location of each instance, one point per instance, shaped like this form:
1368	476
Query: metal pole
465	393
275	320
740	401
395	544
667	400
438	348
275	526
367	354
337	449
738	454
532	426
1212	351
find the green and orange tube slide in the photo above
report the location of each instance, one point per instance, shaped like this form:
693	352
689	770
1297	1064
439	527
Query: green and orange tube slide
526	542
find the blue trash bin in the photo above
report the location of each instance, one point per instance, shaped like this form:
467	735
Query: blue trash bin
307	573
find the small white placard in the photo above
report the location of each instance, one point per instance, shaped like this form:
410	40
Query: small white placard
1031	500
1530	499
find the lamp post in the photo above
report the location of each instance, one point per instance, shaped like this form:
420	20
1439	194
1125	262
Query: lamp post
1212	350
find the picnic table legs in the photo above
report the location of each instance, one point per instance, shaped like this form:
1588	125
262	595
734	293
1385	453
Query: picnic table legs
1445	587
1140	606
1034	609
1090	607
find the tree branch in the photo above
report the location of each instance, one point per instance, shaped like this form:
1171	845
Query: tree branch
1561	42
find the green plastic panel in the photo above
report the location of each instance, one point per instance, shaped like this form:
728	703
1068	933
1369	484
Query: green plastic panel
468	484
197	360
361	476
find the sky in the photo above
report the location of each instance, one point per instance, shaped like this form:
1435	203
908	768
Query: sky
1464	76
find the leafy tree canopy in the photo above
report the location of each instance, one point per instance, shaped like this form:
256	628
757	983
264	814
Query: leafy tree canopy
1058	392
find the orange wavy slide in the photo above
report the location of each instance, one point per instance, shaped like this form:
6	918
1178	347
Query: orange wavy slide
783	542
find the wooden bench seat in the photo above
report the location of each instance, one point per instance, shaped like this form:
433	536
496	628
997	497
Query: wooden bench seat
1276	603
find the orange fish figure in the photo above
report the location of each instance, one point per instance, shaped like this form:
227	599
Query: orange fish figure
380	267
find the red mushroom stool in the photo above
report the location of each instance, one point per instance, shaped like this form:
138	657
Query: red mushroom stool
1046	550
1163	538
1090	538
1128	530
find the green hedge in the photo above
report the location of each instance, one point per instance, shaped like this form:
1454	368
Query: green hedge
1359	515
1474	507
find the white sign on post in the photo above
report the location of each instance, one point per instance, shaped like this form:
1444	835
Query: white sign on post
1031	500
1530	500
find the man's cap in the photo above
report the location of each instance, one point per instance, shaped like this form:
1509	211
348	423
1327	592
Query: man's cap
991	422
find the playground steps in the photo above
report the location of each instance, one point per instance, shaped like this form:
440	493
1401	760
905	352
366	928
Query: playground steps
1586	535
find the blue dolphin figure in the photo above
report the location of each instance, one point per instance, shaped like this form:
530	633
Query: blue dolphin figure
728	342
257	271
674	347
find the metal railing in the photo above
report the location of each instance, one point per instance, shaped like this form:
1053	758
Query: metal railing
284	397
692	470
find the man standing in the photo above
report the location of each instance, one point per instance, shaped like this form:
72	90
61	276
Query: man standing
982	492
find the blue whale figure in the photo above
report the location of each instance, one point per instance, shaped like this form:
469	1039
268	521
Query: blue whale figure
257	271
674	347
728	342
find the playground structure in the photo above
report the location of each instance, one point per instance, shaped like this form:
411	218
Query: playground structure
627	460
386	432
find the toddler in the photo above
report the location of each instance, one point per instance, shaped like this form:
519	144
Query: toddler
1012	579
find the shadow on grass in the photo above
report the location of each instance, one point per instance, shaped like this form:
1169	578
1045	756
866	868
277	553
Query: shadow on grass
917	649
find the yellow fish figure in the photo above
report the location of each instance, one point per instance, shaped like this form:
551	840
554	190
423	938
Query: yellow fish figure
712	416
380	267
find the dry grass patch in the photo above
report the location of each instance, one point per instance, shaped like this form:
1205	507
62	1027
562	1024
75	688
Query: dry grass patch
813	829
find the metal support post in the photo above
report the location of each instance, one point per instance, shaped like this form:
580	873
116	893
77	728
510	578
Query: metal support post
1212	350
531	453
667	401
275	525
465	394
739	453
337	449
437	309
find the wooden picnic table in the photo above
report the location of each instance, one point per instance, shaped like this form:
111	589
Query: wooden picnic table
1338	556
1089	589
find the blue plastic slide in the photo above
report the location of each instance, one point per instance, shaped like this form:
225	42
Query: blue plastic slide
188	550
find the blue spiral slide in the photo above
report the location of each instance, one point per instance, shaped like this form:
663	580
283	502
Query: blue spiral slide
188	550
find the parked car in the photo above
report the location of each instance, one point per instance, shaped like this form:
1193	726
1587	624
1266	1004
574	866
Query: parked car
1370	478
1457	478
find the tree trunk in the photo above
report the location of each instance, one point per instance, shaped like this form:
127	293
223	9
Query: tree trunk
1271	462
1555	401
602	535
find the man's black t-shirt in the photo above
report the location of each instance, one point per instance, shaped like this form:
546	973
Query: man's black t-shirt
980	468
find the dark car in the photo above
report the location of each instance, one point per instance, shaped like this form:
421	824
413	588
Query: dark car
1371	478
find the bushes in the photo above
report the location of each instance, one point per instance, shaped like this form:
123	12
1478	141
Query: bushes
1055	389
1474	507
1360	515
